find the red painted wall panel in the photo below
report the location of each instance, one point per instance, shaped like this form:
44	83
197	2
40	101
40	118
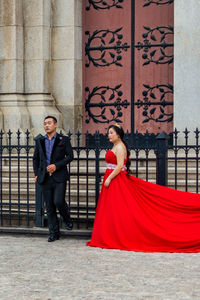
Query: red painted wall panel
153	74
140	98
107	76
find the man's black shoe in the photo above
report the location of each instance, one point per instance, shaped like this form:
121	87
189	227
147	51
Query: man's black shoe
69	226
53	237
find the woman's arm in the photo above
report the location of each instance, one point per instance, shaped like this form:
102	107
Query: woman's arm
120	154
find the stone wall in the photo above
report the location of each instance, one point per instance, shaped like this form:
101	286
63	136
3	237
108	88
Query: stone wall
40	63
187	65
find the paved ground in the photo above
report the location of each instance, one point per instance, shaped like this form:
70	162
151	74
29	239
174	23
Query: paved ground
31	268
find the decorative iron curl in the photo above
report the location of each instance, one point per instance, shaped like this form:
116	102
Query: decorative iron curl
157	2
102	4
110	101
150	114
151	35
103	54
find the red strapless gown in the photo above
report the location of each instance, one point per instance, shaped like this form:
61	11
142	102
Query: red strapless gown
133	214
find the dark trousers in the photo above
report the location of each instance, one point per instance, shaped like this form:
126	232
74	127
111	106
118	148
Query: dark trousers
54	198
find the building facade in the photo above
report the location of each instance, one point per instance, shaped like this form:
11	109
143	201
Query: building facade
40	63
94	63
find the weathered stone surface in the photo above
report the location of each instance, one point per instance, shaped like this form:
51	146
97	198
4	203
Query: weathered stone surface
37	12
11	76
187	65
78	43
78	83
37	42
78	12
32	32
63	12
1	119
68	116
40	106
11	41
31	268
66	66
63	43
15	113
63	81
11	12
36	76
78	117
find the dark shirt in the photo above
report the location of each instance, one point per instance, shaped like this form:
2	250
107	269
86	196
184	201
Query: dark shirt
49	146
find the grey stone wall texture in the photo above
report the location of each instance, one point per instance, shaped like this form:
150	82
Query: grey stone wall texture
40	63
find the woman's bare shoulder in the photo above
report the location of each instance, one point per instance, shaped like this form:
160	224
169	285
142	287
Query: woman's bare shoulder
121	148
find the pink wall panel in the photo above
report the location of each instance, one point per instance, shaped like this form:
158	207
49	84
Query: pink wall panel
108	76
153	74
128	65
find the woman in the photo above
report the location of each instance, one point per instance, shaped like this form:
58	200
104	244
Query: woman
133	214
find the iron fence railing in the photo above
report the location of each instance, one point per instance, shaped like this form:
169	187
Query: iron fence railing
21	203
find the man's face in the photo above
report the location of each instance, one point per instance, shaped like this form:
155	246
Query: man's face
50	125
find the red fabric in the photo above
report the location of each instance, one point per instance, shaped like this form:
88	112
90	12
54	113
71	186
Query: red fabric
133	214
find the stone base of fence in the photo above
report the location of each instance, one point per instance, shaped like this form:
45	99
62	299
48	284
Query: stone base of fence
80	233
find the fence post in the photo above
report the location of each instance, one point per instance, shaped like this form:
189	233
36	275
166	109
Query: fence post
161	159
39	210
97	154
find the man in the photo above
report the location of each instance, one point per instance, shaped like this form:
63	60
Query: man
52	154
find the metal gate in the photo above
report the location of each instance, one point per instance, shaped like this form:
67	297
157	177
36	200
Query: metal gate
128	65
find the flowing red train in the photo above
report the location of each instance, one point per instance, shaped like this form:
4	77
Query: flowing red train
133	214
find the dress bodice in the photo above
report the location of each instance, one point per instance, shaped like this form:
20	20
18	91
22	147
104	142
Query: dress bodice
111	158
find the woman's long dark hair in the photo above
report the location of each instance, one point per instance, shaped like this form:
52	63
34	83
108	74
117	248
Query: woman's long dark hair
119	130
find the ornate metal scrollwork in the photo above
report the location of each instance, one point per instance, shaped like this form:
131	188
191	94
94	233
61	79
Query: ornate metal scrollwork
157	35
102	4
157	2
153	113
109	103
109	50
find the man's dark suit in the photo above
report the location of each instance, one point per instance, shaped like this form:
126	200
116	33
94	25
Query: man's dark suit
54	186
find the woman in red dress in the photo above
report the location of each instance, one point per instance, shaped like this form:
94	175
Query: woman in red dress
133	214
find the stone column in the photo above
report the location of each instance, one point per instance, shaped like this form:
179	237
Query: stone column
14	114
37	28
66	65
187	65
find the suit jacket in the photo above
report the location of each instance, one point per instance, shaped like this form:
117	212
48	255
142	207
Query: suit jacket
61	155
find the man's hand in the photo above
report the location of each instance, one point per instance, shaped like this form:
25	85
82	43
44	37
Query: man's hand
51	168
35	178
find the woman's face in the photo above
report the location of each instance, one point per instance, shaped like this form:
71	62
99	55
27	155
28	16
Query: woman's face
112	135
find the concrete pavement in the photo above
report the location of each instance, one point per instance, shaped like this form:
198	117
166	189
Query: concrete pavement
32	268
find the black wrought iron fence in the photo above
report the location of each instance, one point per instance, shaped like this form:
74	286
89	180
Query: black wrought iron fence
21	202
183	161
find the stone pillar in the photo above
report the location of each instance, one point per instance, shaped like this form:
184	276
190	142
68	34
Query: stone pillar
187	65
37	28
66	65
14	114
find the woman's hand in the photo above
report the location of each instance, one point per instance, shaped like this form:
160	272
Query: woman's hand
107	182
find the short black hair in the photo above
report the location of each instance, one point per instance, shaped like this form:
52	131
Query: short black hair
52	117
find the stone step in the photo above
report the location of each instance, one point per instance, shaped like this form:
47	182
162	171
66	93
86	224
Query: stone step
92	171
91	162
74	196
181	175
6	183
181	182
